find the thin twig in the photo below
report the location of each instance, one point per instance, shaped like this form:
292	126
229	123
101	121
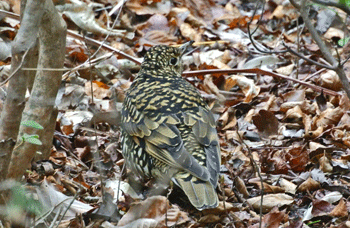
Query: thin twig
85	65
98	43
70	204
314	74
260	18
262	72
252	39
347	59
16	70
80	37
257	169
307	59
46	69
303	8
109	33
298	48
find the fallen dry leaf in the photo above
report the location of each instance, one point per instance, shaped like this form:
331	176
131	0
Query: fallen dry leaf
211	218
241	187
157	208
329	117
340	210
266	123
288	186
246	85
330	80
273	219
325	165
100	90
309	185
270	201
286	70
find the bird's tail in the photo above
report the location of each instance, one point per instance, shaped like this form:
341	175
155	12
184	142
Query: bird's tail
201	194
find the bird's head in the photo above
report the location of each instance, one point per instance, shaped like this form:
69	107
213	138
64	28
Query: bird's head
165	58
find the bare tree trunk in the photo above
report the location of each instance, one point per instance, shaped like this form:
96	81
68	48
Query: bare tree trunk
40	20
40	107
22	56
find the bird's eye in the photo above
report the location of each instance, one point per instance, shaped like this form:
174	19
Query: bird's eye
173	61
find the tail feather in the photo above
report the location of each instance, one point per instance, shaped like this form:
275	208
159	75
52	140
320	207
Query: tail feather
201	194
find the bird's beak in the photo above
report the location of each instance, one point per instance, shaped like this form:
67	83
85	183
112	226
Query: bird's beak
183	48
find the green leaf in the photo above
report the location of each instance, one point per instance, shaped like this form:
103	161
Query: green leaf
32	123
345	2
20	202
33	139
344	41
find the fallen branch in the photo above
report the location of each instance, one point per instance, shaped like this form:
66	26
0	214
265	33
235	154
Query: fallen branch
262	72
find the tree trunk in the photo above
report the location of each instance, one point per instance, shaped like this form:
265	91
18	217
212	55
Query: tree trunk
40	20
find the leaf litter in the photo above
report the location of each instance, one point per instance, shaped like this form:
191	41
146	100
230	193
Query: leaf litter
298	137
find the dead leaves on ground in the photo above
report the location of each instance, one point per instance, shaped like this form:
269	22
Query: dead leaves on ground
298	138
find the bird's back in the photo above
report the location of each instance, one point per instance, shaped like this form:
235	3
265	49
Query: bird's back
169	133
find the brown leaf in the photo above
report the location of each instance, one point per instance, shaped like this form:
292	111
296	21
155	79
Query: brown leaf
269	188
294	115
241	187
248	86
100	90
340	210
294	96
321	102
286	70
270	201
329	117
209	219
190	33
67	129
309	185
77	53
208	82
330	80
325	164
321	207
297	158
274	162
279	12
344	101
200	8
157	208
241	21
334	33
288	186
156	37
143	7
223	208
156	22
266	122
273	219
231	124
82	153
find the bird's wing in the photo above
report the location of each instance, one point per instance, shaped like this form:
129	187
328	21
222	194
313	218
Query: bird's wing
204	128
160	138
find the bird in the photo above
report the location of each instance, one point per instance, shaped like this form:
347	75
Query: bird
168	132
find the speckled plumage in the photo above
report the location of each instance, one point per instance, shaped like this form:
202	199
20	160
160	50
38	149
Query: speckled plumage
168	131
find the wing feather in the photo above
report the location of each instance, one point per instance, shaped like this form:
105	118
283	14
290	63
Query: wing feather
163	142
206	134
